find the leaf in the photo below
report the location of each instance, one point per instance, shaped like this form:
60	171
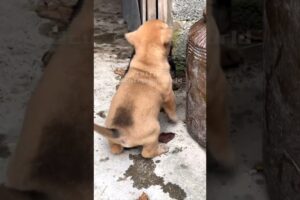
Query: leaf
144	196
119	71
166	137
101	114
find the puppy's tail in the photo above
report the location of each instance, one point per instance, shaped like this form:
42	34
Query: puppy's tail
106	132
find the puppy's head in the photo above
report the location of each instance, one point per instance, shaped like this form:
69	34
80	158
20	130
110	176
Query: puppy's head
153	35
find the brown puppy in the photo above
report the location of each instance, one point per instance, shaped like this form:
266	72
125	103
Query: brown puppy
147	87
218	139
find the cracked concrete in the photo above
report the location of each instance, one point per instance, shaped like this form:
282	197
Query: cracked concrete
179	174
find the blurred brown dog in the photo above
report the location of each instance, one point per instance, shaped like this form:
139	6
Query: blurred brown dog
218	134
53	158
146	88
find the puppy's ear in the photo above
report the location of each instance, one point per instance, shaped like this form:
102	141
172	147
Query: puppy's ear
166	36
131	37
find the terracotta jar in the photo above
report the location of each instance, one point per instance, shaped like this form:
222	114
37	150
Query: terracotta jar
196	82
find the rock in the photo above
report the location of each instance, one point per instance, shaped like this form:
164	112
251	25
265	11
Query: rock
282	105
196	83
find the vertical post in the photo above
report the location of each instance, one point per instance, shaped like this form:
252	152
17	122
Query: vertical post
164	11
151	8
169	19
143	10
125	8
131	14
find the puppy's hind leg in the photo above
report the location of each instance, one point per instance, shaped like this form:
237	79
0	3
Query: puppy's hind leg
152	147
219	145
170	107
115	148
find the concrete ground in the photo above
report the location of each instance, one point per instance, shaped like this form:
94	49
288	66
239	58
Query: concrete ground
23	43
179	174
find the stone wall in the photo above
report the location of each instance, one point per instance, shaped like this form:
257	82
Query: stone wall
185	13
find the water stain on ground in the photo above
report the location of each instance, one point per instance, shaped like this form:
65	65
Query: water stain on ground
104	159
141	172
105	38
4	150
177	150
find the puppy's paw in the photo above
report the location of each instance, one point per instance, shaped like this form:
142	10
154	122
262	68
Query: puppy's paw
116	148
173	119
162	149
150	152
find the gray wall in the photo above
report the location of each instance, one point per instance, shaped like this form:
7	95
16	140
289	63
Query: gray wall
185	14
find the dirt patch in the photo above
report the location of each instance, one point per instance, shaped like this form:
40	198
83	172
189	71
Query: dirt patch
141	172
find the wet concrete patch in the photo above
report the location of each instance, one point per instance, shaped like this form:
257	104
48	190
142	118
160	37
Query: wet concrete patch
174	190
177	150
105	38
141	172
4	150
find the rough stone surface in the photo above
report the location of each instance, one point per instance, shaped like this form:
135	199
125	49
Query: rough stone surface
281	139
187	10
185	14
